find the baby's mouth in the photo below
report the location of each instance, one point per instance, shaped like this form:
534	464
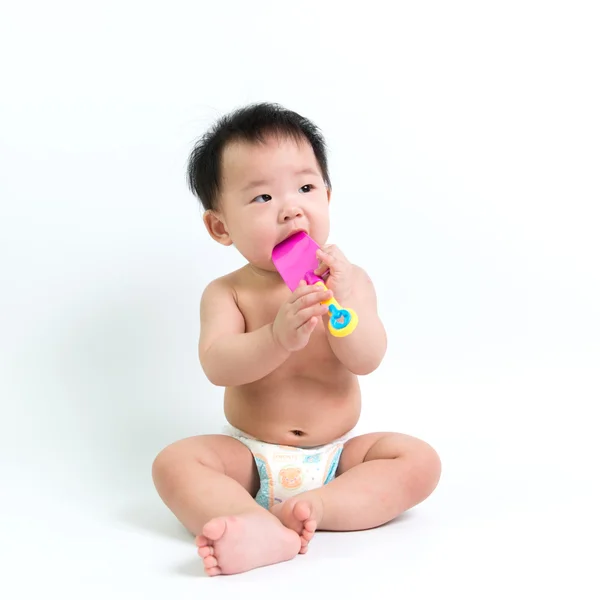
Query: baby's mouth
289	235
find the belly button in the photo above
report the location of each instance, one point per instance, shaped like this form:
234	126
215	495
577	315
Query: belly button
297	432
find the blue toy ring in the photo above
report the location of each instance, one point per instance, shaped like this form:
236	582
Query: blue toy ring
336	315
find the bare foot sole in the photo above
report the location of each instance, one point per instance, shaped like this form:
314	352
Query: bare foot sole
240	543
301	515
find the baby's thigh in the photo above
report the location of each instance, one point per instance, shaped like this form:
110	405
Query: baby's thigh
388	445
219	453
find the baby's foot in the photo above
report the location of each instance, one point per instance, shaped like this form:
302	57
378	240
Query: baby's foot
235	544
302	514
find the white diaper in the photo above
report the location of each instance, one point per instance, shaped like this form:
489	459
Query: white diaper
286	471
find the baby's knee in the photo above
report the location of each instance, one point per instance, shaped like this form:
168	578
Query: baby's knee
429	457
163	464
169	461
186	456
427	467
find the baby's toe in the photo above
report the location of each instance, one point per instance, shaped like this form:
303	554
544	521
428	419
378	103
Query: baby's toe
310	526
301	510
210	562
205	551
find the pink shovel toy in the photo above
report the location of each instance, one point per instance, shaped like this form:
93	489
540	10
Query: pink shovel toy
296	259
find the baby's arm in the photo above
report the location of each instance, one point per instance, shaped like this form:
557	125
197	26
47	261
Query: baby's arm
229	356
362	350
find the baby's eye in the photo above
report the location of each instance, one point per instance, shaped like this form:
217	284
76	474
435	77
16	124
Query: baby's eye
262	198
306	188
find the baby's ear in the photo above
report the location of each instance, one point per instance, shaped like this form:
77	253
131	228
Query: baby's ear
216	227
328	195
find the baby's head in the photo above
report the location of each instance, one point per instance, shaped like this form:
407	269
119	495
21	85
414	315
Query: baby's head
261	174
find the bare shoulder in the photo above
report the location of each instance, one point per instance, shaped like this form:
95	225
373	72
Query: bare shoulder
224	286
216	290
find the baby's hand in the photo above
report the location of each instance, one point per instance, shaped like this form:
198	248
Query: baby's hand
341	272
298	317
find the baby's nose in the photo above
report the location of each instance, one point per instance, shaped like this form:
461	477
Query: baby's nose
292	212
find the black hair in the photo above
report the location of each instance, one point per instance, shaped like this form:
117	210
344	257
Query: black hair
251	124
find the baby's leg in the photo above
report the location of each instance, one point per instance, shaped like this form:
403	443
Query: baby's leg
207	482
380	476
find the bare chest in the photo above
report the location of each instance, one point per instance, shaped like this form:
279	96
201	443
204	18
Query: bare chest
260	309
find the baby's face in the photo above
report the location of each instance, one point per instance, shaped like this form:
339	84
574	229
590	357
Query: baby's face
270	191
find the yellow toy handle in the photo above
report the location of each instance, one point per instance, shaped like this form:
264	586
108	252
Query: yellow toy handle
342	321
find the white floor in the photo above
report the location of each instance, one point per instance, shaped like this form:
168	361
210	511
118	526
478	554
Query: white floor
515	514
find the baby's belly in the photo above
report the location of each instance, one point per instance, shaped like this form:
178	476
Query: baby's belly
294	410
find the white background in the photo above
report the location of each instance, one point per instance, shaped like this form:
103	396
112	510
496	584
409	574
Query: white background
464	149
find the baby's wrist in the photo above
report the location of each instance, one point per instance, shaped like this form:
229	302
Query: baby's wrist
276	342
344	296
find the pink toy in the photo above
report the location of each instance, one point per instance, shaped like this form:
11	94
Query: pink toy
296	259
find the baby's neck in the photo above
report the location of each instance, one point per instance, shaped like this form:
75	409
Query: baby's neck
270	278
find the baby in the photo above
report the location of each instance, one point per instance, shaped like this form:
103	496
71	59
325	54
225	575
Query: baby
288	464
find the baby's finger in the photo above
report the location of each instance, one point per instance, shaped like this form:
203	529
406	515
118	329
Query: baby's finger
311	299
326	259
306	314
321	268
303	290
302	283
309	326
300	291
